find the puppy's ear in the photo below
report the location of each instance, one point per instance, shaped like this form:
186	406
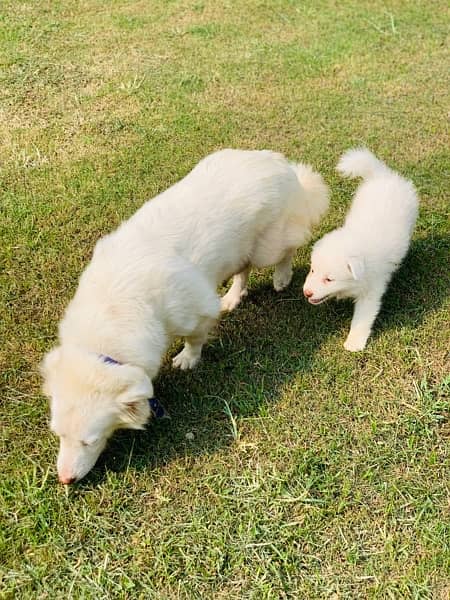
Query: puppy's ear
356	267
133	401
48	366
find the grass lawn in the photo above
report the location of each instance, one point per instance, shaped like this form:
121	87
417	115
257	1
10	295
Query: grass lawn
290	468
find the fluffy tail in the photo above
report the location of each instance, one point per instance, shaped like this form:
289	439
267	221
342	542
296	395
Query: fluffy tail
317	194
360	162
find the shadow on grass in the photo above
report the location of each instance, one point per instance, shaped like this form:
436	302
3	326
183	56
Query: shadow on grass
257	349
419	287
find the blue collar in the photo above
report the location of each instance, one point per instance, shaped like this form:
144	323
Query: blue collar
157	409
109	360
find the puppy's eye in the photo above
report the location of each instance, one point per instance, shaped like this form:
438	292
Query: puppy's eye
327	280
312	270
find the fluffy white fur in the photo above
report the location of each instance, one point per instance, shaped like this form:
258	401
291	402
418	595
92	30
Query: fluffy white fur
155	279
358	259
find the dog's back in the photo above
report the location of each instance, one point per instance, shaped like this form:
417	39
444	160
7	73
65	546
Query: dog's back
213	220
214	215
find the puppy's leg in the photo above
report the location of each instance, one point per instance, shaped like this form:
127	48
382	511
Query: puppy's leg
237	291
366	310
283	271
190	355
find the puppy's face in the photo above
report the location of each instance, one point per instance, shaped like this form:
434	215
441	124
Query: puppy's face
89	400
332	277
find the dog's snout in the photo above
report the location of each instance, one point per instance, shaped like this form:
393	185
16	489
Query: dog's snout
307	293
67	480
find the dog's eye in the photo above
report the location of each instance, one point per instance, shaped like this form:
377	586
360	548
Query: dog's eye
327	280
312	270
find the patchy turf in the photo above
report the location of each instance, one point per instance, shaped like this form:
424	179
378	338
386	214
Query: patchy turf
290	468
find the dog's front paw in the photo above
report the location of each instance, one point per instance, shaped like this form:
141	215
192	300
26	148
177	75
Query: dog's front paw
185	360
355	343
231	300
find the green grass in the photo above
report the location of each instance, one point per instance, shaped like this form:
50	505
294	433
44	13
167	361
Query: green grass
290	468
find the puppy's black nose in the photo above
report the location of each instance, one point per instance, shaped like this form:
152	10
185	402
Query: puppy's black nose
307	293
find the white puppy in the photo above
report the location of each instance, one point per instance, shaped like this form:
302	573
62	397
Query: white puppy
358	259
155	279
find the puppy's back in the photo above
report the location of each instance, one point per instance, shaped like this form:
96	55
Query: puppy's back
385	206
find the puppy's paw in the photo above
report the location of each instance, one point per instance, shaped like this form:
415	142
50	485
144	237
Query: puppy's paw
185	360
281	280
230	301
355	343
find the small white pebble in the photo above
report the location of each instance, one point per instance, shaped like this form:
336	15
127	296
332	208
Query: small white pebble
190	436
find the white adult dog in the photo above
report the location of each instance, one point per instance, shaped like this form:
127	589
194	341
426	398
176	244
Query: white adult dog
155	279
358	259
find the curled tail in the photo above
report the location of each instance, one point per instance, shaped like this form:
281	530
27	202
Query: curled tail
317	194
360	162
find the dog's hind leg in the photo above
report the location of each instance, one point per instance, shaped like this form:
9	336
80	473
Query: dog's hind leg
193	343
237	291
283	271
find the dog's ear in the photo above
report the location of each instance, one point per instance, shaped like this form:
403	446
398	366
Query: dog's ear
48	366
133	401
356	267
